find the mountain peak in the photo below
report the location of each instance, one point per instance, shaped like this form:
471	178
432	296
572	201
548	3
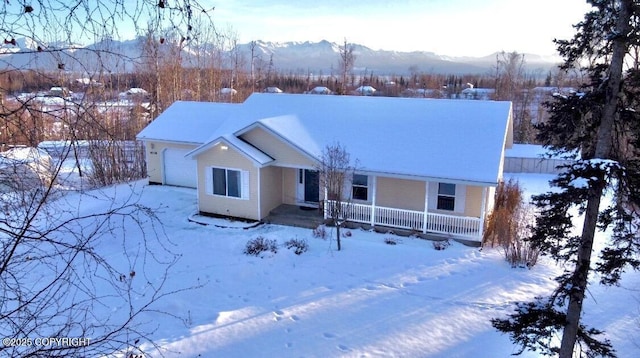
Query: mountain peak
301	57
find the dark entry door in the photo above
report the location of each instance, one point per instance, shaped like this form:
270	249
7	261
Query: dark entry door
311	186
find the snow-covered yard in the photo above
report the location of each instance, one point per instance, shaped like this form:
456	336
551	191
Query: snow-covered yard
370	300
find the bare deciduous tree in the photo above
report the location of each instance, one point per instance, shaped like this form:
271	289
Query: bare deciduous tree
58	269
336	171
347	61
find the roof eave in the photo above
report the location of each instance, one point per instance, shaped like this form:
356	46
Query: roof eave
149	139
203	148
273	132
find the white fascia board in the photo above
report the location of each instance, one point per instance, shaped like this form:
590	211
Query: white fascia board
279	137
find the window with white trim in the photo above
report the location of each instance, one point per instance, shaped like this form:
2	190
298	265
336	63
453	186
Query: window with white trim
228	182
446	196
360	187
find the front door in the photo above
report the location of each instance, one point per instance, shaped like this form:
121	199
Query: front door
311	186
308	186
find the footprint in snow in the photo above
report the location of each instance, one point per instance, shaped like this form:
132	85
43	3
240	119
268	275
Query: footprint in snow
277	315
343	348
294	318
328	335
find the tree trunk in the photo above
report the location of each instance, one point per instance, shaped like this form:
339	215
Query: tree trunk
581	274
620	47
604	146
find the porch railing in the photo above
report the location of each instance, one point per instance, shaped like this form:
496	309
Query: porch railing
462	226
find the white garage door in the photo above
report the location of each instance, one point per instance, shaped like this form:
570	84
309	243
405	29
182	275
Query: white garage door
179	170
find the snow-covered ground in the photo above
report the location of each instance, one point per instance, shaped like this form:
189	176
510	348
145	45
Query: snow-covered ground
370	300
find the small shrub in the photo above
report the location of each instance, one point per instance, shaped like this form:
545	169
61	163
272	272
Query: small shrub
346	233
510	224
520	253
390	241
441	244
298	245
257	246
506	220
320	232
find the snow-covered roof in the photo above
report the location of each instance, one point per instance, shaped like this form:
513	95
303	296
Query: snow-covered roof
228	91
477	93
136	90
365	90
87	81
320	90
438	139
529	151
272	90
189	122
133	92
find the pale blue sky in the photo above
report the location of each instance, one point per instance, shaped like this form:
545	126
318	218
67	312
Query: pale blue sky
446	27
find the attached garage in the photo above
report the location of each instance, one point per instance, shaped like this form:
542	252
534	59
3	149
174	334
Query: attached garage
178	169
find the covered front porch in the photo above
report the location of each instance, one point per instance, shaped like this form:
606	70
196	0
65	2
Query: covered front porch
422	206
419	221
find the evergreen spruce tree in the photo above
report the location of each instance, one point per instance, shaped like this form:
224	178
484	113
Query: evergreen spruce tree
599	126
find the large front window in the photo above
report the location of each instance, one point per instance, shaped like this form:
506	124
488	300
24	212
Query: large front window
227	182
446	196
360	187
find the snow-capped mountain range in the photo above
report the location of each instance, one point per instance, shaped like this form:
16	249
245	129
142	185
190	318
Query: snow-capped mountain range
324	56
290	57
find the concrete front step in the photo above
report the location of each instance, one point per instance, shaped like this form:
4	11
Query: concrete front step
292	215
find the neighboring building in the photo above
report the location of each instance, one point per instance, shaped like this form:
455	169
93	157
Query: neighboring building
320	90
483	94
425	165
87	82
533	158
226	91
62	92
272	90
365	91
134	94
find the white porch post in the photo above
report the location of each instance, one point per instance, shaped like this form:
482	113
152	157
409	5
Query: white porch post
483	211
426	207
326	202
373	200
